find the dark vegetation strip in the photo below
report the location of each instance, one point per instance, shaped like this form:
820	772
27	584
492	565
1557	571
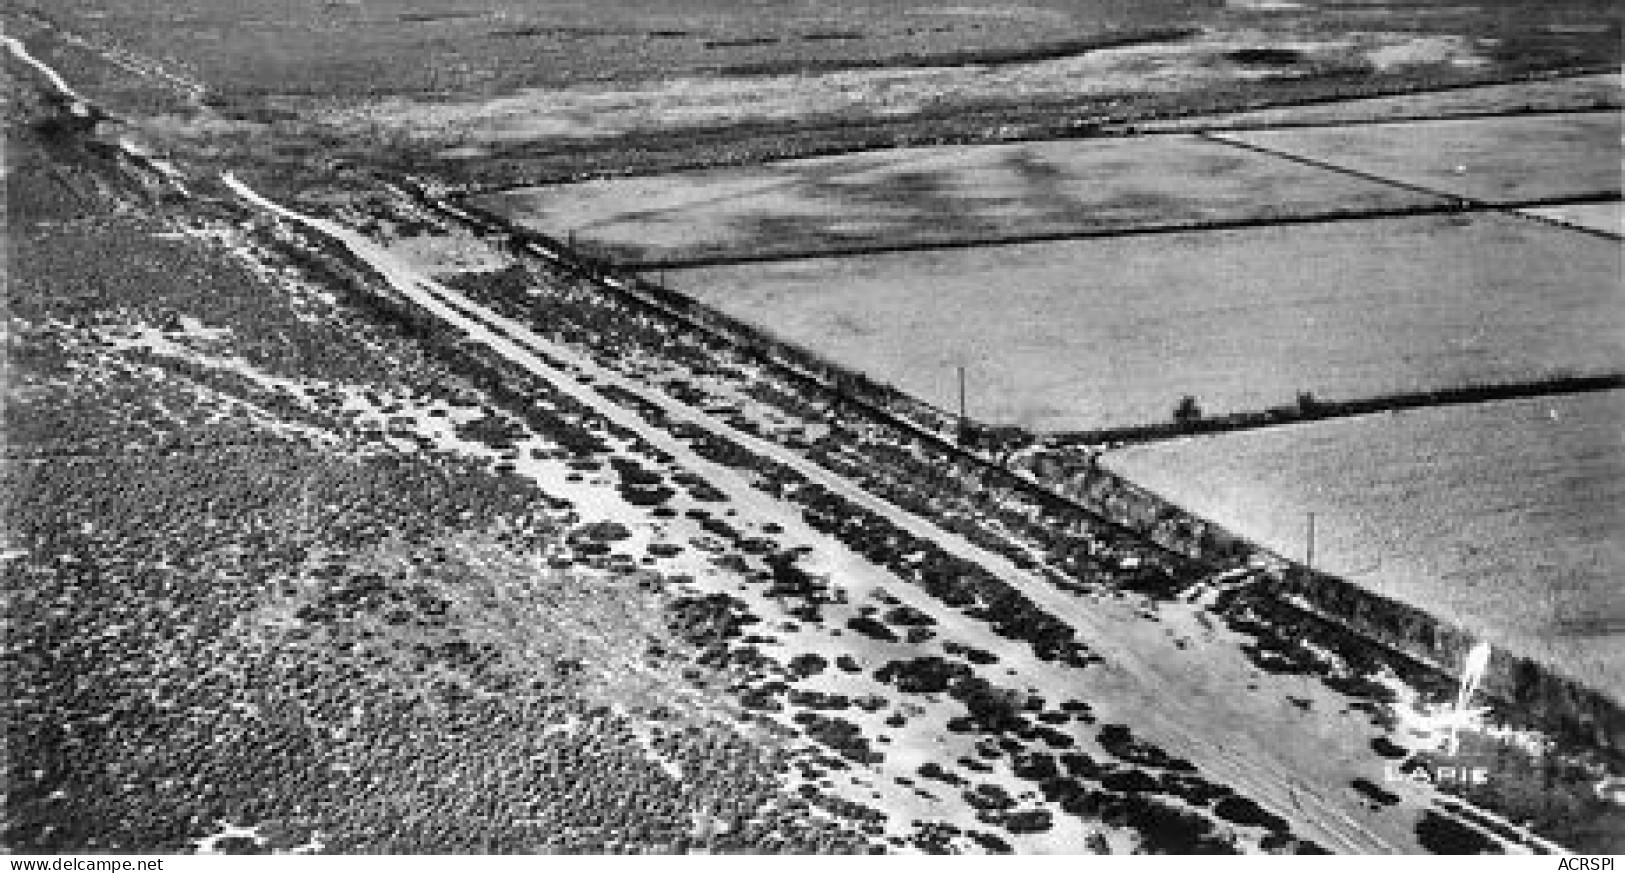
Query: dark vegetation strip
1454	207
1049	51
1309	409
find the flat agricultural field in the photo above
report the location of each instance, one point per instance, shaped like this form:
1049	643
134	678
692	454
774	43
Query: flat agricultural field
925	195
1493	159
1103	332
1503	517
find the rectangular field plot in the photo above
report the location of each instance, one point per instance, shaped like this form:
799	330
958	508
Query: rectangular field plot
1499	160
1502	517
1105	332
926	195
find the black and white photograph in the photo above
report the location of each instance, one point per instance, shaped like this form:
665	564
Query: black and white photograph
811	427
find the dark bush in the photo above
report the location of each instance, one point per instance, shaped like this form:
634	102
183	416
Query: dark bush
1137	781
872	629
1442	835
1244	811
1029	821
924	675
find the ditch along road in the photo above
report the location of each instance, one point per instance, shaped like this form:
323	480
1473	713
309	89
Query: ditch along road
1202	700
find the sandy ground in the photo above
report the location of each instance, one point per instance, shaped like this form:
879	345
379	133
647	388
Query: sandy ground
1491	159
445	255
1101	332
1504	517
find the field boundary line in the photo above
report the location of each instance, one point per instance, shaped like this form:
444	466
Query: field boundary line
1467	203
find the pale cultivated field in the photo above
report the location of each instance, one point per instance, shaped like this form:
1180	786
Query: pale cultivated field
1493	159
1504	517
1093	333
937	194
1606	217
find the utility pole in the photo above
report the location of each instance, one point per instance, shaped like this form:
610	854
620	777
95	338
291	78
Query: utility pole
964	432
1309	551
962	396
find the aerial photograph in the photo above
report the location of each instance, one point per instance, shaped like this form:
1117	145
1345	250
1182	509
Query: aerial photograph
857	427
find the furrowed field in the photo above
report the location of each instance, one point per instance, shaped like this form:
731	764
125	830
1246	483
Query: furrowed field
1496	160
1504	517
927	195
1095	333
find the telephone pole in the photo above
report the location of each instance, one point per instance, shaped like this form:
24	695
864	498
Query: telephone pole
961	395
1309	550
964	425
